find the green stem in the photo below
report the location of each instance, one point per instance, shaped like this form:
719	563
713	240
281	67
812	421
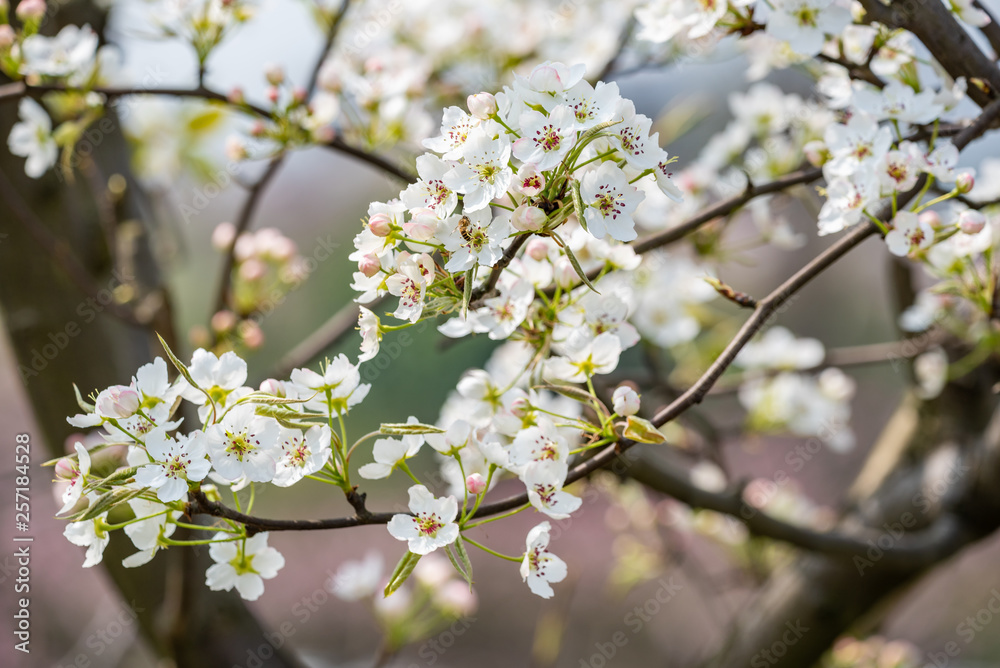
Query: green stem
496	517
493	552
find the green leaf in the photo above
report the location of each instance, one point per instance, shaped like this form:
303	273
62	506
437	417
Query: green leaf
642	431
467	291
106	502
402	572
120	475
578	205
464	556
576	263
574	393
407	428
183	370
84	406
262	399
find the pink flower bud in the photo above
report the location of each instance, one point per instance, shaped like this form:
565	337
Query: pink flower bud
457	599
528	218
299	94
118	401
626	401
252	270
223	321
475	484
258	129
236	150
199	337
537	249
222	236
520	407
236	96
329	77
7	37
273	387
971	221
274	74
482	105
245	247
930	218
380	224
369	264
273	94
66	469
30	10
964	182
252	334
421	227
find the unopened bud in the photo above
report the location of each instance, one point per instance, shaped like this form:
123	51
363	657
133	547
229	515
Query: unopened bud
528	218
7	37
118	401
369	264
299	94
30	10
971	221
380	224
537	249
223	321
274	74
422	227
66	469
222	236
236	96
482	105
964	182
252	334
931	218
273	387
273	94
475	484
625	401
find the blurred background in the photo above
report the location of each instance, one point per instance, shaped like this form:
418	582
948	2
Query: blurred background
317	199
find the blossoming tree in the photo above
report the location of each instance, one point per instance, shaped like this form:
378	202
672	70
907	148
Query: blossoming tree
543	213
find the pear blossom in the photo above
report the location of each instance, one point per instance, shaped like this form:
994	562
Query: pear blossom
544	481
244	443
146	533
77	474
778	348
625	400
662	20
540	443
529	180
609	201
453	440
967	11
409	283
599	356
389	453
908	234
804	24
430	191
484	173
71	52
540	567
846	201
31	138
502	314
91	534
336	390
118	401
901	168
301	454
900	102
355	580
941	162
545	140
371	334
631	136
475	237
217	376
432	524
176	462
153	384
859	143
243	564
456	125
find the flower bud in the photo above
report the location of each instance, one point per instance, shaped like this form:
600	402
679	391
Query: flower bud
245	247
626	401
30	10
369	264
274	74
299	94
521	407
528	218
258	129
273	94
118	401
236	150
222	236
380	224
931	218
537	249
7	37
457	599
223	321
422	227
475	484
236	96
329	77
482	105
964	182
273	387
66	469
252	334
971	221
252	270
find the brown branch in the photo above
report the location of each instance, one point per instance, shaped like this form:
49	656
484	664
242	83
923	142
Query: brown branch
486	290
